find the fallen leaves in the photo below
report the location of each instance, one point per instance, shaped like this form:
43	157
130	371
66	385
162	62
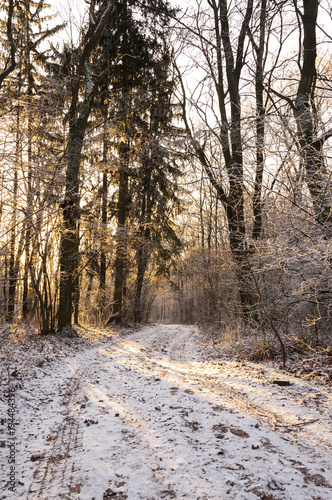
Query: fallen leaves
37	456
114	495
90	421
239	432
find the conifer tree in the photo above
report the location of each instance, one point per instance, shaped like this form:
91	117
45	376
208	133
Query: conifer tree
155	192
9	39
135	39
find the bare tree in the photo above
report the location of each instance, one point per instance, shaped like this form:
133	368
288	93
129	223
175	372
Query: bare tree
303	108
225	54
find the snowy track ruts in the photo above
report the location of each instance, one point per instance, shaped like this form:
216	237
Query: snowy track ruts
154	415
161	414
59	467
185	349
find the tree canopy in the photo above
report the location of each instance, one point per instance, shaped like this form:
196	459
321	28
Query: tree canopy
173	163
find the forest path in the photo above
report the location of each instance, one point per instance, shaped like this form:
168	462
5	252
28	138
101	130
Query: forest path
156	415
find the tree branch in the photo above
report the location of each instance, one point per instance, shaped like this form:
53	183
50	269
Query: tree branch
318	142
199	151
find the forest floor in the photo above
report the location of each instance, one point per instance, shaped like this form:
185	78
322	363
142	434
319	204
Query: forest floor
159	412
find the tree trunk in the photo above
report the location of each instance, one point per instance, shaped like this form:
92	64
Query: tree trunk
29	210
121	244
78	121
102	275
234	161
76	293
28	231
13	264
260	125
315	169
121	236
142	261
71	212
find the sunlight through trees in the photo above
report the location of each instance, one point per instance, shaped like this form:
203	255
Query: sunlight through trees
170	163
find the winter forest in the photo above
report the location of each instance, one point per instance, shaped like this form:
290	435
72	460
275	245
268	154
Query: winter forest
170	163
165	249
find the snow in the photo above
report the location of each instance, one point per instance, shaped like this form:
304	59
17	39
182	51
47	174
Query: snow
156	414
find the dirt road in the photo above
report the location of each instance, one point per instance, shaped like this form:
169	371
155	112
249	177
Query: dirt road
156	415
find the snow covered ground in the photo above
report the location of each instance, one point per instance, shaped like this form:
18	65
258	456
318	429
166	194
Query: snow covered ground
156	414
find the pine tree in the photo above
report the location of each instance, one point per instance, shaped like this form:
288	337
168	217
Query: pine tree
155	193
9	39
135	52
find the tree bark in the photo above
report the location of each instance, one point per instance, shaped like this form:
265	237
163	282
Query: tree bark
71	214
260	125
29	210
121	242
13	261
142	260
102	275
311	148
78	121
142	255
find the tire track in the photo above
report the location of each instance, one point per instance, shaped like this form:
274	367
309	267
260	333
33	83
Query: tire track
196	401
60	466
175	348
157	401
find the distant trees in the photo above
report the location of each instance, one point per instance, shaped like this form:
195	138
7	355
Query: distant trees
133	56
138	80
155	192
23	101
223	56
307	278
